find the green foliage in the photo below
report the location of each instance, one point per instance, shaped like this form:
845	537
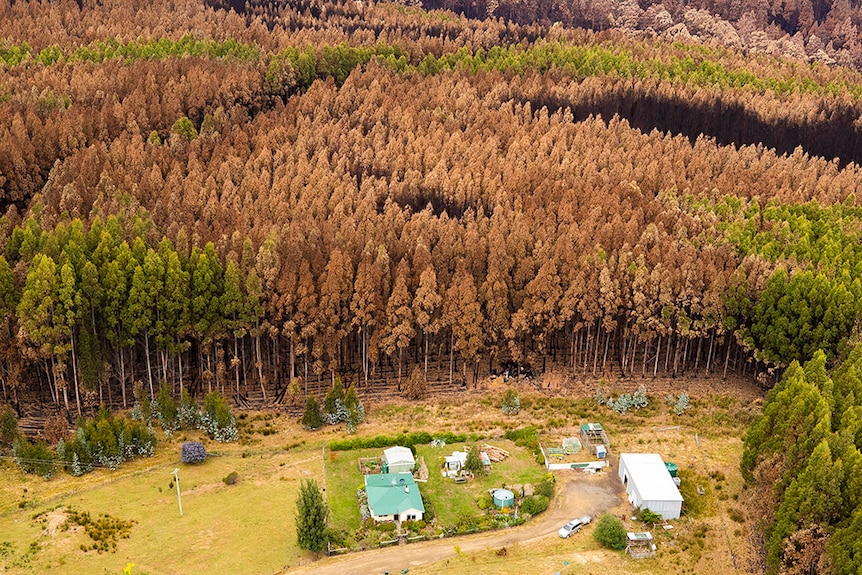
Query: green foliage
167	409
649	516
217	418
8	427
185	129
107	441
312	418
104	531
484	501
610	531
231	478
534	504
808	437
35	458
355	410
473	463
527	437
545	487
404	439
311	517
627	401
187	412
511	404
333	396
111	48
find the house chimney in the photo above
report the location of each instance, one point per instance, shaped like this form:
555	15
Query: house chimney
406	489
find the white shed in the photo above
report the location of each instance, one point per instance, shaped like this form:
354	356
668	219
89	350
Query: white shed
398	459
649	484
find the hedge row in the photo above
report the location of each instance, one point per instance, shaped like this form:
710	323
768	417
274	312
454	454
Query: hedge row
404	439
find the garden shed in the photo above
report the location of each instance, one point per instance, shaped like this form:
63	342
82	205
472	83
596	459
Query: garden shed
649	484
394	497
398	459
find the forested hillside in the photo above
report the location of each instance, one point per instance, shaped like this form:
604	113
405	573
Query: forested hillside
260	196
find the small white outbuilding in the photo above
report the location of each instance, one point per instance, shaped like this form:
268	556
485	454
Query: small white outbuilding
649	484
398	460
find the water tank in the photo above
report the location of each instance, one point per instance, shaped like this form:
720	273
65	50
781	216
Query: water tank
503	498
671	468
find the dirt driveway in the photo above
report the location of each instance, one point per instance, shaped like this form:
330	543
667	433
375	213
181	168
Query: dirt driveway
577	494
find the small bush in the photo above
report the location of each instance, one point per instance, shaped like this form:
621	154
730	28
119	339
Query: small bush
232	478
187	412
610	532
217	419
545	487
650	517
34	457
386	527
682	403
534	504
511	404
628	401
193	452
736	515
8	427
167	409
312	419
484	501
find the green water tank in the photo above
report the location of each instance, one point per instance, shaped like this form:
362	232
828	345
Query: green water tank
671	468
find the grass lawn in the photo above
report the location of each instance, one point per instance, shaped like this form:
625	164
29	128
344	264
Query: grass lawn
452	500
343	479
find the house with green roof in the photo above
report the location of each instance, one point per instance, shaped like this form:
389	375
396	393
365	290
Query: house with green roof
394	497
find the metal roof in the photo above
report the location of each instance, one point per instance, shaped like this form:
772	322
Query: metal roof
392	493
398	454
650	476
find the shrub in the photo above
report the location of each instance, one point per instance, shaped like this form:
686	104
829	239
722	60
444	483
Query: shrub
8	427
232	478
385	527
187	413
217	418
34	457
680	403
312	418
473	463
143	408
610	532
546	487
534	504
193	452
484	501
649	516
108	441
355	410
511	404
334	409
167	409
627	401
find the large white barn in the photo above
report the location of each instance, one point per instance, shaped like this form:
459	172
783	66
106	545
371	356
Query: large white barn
649	484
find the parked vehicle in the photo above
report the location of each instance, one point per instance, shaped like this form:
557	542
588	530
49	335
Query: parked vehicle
573	526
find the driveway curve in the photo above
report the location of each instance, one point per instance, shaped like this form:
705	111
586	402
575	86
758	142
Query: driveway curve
576	495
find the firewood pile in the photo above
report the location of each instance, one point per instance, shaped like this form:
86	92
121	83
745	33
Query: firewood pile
495	454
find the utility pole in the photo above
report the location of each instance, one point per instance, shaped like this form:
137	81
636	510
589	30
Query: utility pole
323	462
177	483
